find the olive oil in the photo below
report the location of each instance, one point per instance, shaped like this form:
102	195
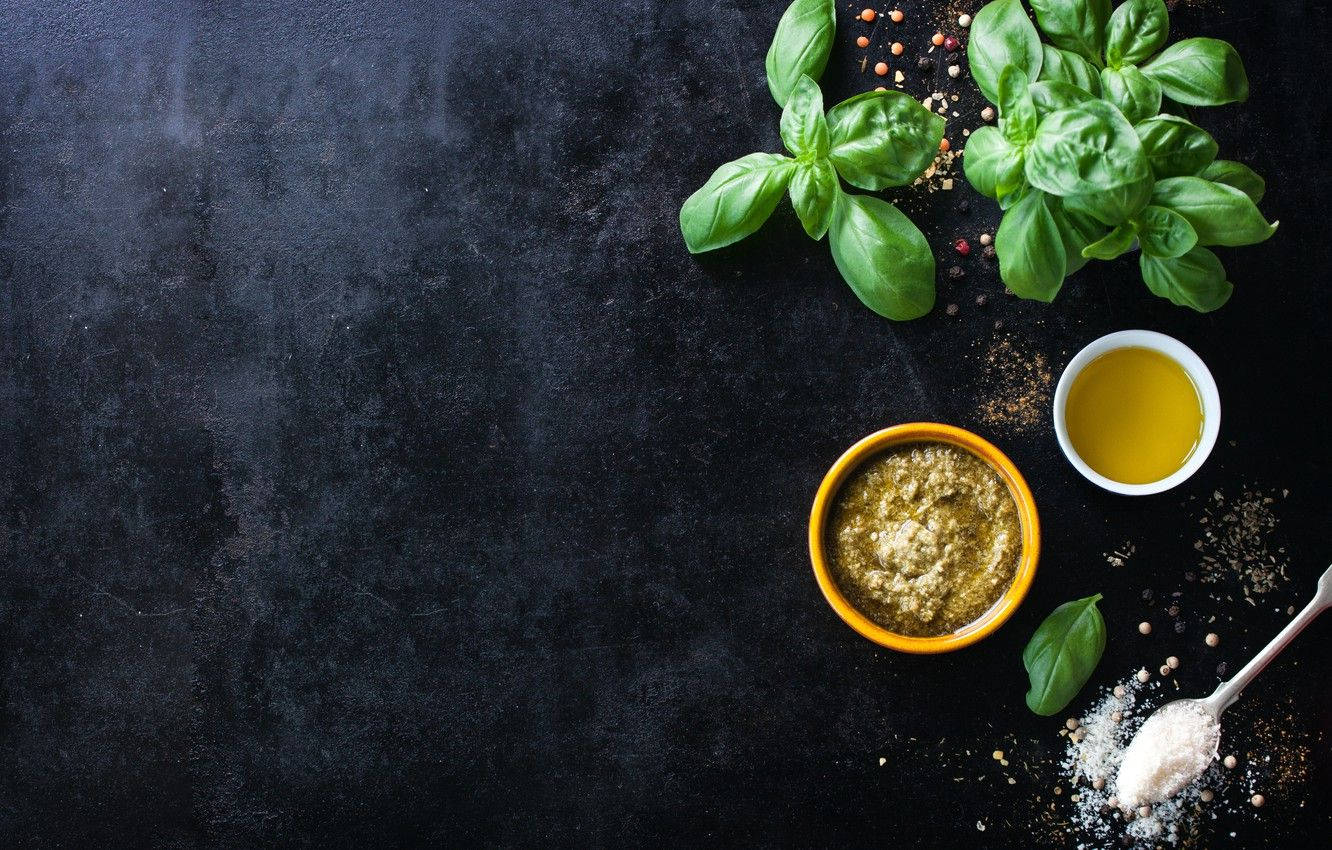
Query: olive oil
1134	415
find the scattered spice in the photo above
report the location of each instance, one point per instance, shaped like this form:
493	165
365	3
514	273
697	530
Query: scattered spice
1017	380
956	273
951	309
988	252
1234	541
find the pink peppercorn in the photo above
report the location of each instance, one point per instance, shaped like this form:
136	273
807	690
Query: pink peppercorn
962	247
951	44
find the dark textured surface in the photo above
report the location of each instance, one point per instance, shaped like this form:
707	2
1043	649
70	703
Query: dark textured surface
376	466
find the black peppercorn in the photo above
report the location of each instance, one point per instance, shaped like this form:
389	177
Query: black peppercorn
925	64
1179	627
964	207
981	299
951	310
1173	610
1190	575
1221	669
1147	594
988	252
956	273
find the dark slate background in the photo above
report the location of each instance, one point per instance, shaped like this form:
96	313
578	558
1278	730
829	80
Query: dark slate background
378	468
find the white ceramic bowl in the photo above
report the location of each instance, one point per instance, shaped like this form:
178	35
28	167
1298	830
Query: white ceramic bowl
1175	350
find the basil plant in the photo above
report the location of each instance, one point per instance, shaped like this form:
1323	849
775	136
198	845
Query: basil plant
1084	162
872	141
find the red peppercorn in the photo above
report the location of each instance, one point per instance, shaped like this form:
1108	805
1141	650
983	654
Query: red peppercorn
951	44
962	247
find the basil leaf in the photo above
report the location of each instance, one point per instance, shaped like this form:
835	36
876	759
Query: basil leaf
1031	249
883	256
1062	66
1200	72
1085	148
1165	233
1175	147
1137	29
1195	280
992	165
801	45
1113	206
1002	35
883	138
813	192
804	129
1236	174
1076	25
1017	114
1222	215
735	201
1063	653
1113	244
1077	229
1050	95
1137	95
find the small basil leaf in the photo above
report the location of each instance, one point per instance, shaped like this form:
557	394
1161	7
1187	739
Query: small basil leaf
813	192
735	201
1061	66
1175	147
1002	35
1197	279
883	257
1113	244
1200	72
1077	229
992	165
1031	249
1085	148
1137	29
1017	114
1063	653
1164	233
804	129
1222	215
1236	174
882	139
1050	95
801	45
1113	206
1137	95
1075	26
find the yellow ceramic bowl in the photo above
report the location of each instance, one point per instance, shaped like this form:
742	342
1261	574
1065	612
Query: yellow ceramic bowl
922	432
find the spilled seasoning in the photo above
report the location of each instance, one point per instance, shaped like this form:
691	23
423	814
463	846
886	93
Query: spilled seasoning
1233	541
1016	381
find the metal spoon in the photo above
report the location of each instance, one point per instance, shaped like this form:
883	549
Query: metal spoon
1227	692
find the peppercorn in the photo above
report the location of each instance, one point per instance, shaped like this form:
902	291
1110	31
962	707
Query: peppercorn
925	64
897	48
998	324
951	310
954	71
1173	610
1145	628
1257	800
863	41
937	39
986	239
896	15
1212	639
962	247
944	144
1230	762
981	300
1147	595
988	252
987	114
1221	669
950	44
964	207
952	59
868	15
1180	627
881	69
964	21
956	273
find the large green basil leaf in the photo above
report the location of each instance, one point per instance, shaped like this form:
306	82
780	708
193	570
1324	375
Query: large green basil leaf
1017	114
1113	206
1196	280
1200	72
1137	29
1050	95
813	192
1002	35
801	45
991	164
883	256
1031	249
1164	233
1222	215
1085	148
1076	25
1062	66
804	129
1175	147
1063	653
882	139
1077	229
1113	244
735	201
1137	95
1236	174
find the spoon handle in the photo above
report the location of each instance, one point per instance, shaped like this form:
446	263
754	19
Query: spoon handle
1227	692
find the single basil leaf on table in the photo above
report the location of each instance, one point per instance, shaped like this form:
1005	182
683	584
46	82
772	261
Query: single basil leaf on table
1051	95
1175	147
736	200
1114	243
1077	229
991	164
813	192
1031	248
1115	206
1074	25
1196	279
883	257
1238	175
801	45
1136	30
1222	215
1137	95
1002	35
882	139
1164	234
1061	66
1063	653
1200	72
1085	148
803	127
1017	114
